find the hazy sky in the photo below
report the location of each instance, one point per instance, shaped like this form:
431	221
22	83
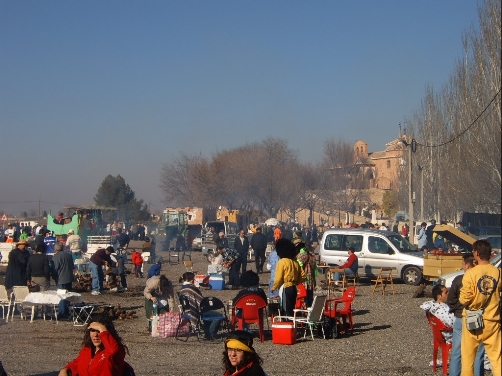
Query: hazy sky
91	88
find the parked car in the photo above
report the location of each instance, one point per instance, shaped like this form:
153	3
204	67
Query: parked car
375	249
447	279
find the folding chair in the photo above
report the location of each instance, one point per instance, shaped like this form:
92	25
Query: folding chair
332	283
384	277
209	305
4	301
19	293
188	313
314	316
437	327
80	314
189	266
174	257
251	310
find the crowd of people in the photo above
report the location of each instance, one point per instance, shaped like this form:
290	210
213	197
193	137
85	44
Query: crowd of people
291	262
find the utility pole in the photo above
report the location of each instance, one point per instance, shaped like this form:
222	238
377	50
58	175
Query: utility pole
39	198
411	199
421	169
410	196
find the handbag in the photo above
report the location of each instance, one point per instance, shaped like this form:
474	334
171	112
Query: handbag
169	323
474	319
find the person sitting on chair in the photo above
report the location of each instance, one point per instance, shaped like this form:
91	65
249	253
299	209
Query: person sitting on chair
103	345
350	265
194	296
240	357
251	283
440	309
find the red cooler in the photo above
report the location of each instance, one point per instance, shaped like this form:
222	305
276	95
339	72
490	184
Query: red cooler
283	332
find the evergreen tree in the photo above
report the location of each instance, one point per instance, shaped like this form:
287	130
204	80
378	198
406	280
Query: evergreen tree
114	192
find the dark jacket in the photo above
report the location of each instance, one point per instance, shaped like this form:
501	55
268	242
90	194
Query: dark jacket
259	241
63	265
38	266
16	268
455	307
222	242
241	247
100	256
253	370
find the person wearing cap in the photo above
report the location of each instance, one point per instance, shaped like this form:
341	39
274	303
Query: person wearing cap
49	242
15	274
222	241
239	357
38	271
74	244
306	260
231	261
9	234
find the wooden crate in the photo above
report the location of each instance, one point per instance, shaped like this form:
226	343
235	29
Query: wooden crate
438	265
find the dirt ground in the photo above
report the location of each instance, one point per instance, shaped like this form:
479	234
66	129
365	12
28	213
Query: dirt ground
391	337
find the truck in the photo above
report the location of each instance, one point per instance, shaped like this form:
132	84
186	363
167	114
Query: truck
231	230
437	265
178	227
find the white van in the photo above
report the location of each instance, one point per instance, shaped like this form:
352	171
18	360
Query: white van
375	249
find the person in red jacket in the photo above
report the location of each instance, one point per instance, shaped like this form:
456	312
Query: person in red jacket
137	260
102	352
350	265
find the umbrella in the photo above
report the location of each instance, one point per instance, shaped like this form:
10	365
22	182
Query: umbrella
272	222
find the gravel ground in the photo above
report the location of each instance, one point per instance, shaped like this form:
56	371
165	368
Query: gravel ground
391	337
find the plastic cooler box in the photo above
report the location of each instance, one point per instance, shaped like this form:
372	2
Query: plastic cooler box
217	281
283	332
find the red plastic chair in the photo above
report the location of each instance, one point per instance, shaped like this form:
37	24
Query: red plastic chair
251	308
437	327
334	309
300	296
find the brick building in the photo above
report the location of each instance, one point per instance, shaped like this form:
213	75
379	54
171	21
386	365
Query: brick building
379	169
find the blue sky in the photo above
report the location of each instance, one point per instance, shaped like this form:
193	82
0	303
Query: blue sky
91	88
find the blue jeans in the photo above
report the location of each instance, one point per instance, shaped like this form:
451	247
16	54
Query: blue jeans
212	321
348	272
97	276
455	359
63	304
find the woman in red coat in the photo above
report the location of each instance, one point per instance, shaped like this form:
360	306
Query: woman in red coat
102	352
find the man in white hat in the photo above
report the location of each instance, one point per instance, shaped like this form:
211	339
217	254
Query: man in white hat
74	244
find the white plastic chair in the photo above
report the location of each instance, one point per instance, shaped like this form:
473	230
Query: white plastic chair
314	316
19	293
4	301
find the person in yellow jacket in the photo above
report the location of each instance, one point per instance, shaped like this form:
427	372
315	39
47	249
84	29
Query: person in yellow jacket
481	288
288	273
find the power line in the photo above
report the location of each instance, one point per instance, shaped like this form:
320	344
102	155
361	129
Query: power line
465	130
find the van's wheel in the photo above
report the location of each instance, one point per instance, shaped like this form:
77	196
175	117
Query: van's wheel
412	276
